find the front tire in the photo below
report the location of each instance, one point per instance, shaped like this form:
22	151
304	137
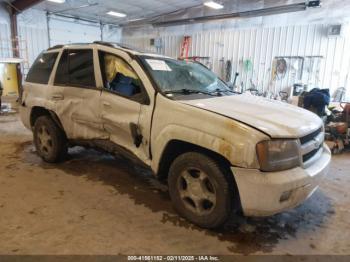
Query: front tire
200	189
49	140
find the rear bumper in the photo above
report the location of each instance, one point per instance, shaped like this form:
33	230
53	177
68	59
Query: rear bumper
268	193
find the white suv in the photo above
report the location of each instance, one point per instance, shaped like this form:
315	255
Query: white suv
218	151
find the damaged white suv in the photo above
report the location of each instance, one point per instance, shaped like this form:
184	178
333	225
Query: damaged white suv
218	151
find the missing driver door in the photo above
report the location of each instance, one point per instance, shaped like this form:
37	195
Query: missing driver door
122	105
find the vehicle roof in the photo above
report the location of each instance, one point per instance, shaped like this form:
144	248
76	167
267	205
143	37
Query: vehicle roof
119	46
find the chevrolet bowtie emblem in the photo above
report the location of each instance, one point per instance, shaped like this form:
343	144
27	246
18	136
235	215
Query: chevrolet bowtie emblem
316	143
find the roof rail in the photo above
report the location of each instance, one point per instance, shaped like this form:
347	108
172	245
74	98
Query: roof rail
103	43
115	45
109	44
55	47
131	48
63	45
77	44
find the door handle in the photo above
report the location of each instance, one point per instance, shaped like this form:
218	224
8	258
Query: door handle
136	134
57	97
106	104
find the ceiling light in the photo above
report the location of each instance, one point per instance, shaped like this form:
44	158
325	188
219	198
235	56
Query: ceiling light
213	5
136	19
57	1
116	14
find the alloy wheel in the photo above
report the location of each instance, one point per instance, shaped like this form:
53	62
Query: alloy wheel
45	140
197	191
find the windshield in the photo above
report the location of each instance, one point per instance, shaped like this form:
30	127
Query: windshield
175	76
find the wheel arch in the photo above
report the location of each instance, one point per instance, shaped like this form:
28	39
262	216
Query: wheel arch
175	148
38	111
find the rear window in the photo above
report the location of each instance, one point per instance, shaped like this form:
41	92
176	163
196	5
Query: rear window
41	69
76	68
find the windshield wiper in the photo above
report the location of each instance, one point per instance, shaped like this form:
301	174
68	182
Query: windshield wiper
221	91
186	91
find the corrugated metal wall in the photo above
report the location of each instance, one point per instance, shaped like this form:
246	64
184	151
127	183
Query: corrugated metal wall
33	41
260	46
257	44
5	44
67	31
37	33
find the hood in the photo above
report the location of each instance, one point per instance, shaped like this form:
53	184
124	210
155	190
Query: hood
275	118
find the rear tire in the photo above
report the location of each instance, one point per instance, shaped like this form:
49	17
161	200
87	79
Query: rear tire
201	190
49	140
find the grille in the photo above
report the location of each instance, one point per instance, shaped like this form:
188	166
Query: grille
309	155
310	137
311	144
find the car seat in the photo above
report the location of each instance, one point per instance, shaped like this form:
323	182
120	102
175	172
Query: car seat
123	85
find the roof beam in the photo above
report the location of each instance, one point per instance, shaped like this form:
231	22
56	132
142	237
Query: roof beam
21	5
245	14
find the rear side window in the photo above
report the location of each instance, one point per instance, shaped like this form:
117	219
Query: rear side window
76	68
41	69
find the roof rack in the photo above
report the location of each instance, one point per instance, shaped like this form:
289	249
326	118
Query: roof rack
77	44
120	45
62	45
114	44
125	46
55	47
103	43
109	44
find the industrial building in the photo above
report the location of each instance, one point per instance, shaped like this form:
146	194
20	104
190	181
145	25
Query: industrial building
175	128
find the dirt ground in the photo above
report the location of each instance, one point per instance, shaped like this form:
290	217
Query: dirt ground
96	204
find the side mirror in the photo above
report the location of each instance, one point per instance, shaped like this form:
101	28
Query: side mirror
232	86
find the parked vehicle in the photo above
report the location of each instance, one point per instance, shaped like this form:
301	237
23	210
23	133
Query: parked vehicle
220	152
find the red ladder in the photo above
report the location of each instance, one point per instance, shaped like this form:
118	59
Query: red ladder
185	46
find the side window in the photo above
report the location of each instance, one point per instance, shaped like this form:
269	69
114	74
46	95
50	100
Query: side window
118	76
76	68
41	69
62	77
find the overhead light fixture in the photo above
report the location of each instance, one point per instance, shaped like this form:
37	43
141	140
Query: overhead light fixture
213	5
136	19
117	14
57	1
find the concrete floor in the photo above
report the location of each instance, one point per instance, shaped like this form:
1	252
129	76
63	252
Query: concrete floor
95	204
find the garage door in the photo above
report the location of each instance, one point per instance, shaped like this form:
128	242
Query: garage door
65	32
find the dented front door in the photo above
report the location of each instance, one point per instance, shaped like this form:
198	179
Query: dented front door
125	110
120	118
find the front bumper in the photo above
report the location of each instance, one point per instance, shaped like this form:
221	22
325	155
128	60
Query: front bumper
268	193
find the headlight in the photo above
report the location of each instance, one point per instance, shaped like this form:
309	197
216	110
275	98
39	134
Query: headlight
277	155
